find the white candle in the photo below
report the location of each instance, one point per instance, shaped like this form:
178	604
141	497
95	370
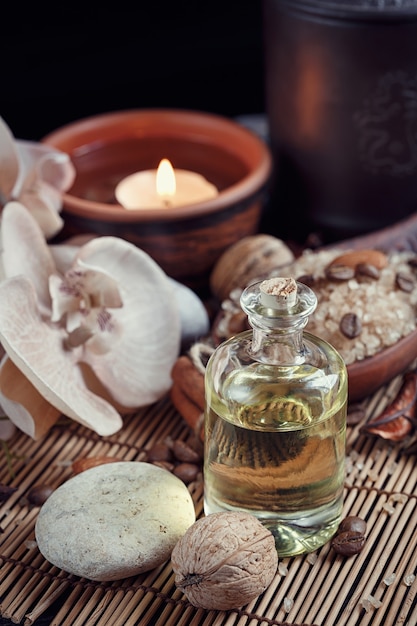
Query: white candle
163	188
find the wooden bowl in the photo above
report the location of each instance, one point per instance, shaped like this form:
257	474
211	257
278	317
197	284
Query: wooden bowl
185	241
368	375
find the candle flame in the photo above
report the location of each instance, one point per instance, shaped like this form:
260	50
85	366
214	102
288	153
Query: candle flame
165	179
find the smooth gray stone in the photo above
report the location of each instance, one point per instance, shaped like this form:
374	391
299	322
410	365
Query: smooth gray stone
114	521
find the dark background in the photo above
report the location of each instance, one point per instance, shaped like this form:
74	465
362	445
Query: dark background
63	62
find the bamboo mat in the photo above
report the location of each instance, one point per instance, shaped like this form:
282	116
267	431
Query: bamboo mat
322	589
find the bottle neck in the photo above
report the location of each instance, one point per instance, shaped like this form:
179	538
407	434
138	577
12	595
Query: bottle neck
278	346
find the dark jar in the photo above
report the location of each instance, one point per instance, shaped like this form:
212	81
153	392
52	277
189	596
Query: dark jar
341	100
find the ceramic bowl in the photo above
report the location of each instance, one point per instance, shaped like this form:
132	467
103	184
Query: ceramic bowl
185	241
366	376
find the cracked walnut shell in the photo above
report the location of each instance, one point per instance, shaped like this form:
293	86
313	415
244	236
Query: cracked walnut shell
224	560
254	256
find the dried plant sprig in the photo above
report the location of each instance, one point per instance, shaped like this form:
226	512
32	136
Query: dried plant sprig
398	420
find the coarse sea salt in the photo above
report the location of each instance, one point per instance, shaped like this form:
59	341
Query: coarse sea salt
389	579
354	455
282	569
409	579
387	313
398	497
392	468
370	603
388	508
373	475
312	558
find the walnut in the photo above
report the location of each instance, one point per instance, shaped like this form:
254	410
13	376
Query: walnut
252	257
224	560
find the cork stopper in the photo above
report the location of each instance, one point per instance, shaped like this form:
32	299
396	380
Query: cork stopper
278	293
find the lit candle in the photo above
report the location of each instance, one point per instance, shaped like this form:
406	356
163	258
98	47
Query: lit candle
163	188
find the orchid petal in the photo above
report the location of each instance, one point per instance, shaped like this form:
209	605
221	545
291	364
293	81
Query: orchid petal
9	163
23	404
45	163
44	203
63	302
25	251
96	282
7	428
137	369
38	352
64	256
108	332
101	288
82	290
195	322
74	320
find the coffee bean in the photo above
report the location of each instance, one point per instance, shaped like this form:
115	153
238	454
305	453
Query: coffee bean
368	271
348	543
339	272
6	492
39	494
350	325
184	453
159	452
404	282
413	262
352	524
307	279
187	472
164	465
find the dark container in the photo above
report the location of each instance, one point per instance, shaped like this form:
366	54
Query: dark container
341	100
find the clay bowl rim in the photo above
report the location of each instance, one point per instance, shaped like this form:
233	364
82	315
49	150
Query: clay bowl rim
200	123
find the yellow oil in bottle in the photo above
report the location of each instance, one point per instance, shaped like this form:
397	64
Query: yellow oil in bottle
275	436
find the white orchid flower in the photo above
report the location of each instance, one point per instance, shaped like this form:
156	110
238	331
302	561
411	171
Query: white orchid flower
36	175
86	343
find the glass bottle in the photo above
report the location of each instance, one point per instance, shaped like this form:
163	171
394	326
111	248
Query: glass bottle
275	420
